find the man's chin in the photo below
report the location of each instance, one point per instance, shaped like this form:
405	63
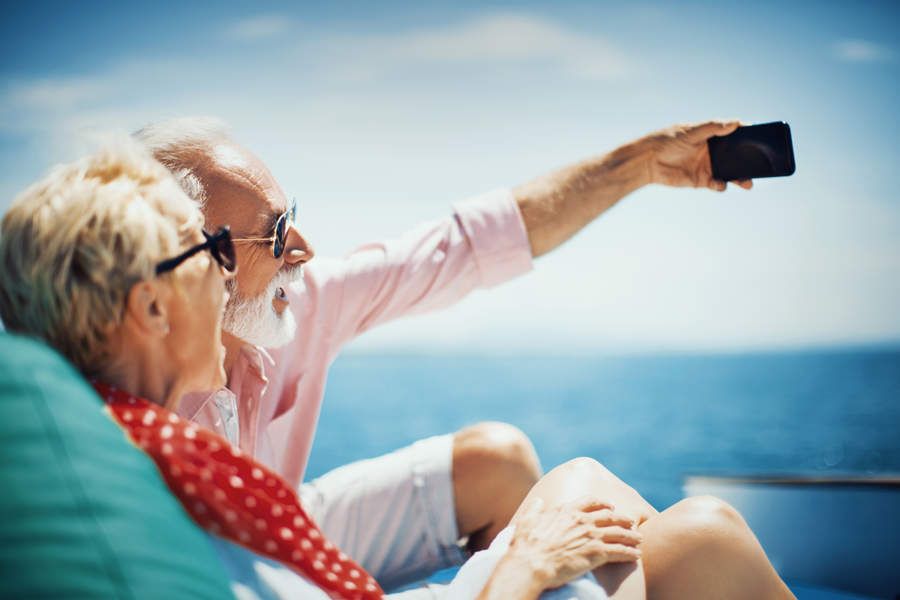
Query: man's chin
283	339
278	332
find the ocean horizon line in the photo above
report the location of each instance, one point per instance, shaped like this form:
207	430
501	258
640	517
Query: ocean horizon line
581	352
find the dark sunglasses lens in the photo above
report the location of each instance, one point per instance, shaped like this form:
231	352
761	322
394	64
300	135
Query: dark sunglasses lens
225	251
222	249
280	232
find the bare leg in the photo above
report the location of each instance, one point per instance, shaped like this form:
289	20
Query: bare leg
702	548
494	467
585	476
699	548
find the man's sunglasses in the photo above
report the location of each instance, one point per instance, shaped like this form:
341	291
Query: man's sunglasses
219	244
279	238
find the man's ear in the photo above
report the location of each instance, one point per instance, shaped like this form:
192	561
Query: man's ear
145	308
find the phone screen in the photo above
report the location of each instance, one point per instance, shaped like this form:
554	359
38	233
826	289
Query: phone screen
753	151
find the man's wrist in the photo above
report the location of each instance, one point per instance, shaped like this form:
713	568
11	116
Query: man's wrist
637	159
555	206
622	171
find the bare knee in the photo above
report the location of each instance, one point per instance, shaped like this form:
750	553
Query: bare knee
702	544
709	514
584	467
579	474
585	476
705	526
498	448
494	467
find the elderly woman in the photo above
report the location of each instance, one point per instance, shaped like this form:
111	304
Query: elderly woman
106	260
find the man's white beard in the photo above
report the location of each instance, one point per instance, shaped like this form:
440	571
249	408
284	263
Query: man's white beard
255	321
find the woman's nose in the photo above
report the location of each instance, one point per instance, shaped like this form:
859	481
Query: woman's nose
297	249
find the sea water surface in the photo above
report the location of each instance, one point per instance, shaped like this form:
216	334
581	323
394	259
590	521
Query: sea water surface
650	419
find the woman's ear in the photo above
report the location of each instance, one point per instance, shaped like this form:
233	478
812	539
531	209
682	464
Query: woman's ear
145	308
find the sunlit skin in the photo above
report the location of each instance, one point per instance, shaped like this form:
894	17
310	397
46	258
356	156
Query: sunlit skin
699	548
242	192
494	465
171	332
244	195
557	205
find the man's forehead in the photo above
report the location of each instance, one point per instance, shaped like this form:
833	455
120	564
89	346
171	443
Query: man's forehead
231	156
241	191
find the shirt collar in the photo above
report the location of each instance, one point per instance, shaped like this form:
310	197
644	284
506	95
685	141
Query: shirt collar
251	359
257	359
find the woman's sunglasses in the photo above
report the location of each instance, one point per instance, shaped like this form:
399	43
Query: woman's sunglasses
219	244
279	238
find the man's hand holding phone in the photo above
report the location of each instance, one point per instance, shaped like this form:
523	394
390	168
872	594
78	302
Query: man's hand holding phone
680	155
711	154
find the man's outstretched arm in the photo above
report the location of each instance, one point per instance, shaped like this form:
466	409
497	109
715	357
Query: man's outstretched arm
557	205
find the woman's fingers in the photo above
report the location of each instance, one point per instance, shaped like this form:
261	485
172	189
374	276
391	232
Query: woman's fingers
607	517
619	535
745	183
617	553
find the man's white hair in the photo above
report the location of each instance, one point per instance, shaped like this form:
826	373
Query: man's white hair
192	149
184	145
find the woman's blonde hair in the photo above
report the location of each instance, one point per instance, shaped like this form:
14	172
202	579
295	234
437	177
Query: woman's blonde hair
73	244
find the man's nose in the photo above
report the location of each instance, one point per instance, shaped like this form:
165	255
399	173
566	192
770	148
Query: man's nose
297	250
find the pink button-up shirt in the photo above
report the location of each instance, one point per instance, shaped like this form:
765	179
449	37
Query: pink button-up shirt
271	408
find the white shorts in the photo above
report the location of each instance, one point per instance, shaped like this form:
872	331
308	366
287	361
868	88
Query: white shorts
394	514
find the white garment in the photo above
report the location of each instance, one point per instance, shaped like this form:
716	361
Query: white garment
473	576
256	578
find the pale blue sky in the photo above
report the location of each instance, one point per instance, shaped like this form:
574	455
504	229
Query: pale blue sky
379	115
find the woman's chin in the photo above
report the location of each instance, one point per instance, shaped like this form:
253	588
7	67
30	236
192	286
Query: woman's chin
219	379
223	379
214	381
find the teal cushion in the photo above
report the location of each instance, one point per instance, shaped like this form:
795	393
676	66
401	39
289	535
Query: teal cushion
83	512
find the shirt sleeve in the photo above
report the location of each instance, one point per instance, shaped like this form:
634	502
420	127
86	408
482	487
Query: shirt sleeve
482	244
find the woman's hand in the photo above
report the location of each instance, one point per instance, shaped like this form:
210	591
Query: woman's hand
566	541
552	546
680	156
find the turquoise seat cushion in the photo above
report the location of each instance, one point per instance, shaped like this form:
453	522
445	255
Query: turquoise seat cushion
84	513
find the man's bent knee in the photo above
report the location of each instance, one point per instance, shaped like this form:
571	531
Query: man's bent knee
499	447
494	467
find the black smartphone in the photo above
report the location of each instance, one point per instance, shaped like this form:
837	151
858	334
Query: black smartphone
763	150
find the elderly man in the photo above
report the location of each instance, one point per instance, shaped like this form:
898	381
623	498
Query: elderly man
402	515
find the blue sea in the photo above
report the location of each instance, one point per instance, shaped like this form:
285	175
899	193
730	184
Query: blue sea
650	419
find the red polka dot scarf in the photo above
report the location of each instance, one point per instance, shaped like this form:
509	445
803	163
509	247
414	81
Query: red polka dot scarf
235	497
